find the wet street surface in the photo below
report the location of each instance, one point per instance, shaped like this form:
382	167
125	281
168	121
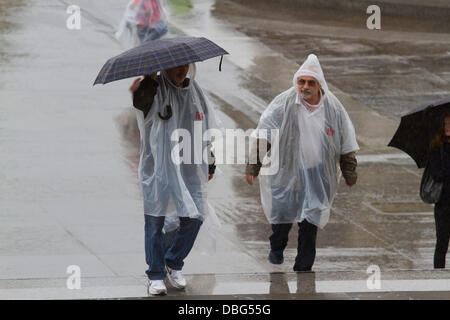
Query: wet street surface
391	70
69	192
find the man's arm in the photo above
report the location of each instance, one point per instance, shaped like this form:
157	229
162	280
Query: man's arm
253	169
144	94
348	165
211	161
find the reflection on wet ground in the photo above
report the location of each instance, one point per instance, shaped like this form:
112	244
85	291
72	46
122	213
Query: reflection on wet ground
276	285
127	125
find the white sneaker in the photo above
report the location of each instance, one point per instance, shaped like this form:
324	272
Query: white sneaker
176	278
156	287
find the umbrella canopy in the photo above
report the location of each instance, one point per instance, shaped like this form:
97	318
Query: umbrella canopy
418	127
158	55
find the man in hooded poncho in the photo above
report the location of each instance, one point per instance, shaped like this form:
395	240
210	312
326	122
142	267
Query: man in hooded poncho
314	134
172	106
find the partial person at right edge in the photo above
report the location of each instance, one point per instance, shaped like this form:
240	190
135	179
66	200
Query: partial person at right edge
440	172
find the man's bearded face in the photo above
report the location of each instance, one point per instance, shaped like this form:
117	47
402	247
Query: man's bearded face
308	87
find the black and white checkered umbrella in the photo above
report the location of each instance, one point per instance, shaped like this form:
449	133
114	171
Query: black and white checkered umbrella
158	55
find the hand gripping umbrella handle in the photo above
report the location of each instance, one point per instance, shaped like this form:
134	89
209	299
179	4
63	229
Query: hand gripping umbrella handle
169	113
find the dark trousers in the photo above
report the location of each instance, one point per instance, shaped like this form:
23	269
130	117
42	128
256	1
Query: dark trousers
306	248
442	219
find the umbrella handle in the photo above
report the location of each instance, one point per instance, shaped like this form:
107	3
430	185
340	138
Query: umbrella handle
169	113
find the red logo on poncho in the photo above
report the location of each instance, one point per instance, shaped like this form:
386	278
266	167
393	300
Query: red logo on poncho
330	132
199	115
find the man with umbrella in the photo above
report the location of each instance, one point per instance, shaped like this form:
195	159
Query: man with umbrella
315	132
169	102
170	106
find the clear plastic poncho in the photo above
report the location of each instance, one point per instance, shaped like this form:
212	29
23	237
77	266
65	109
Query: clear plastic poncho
147	13
126	33
307	153
170	187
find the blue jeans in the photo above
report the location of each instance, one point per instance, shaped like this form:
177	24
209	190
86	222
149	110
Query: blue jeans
168	249
146	34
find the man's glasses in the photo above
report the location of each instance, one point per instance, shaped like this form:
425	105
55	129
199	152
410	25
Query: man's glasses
311	83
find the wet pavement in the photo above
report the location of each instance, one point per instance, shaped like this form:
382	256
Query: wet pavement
401	284
69	193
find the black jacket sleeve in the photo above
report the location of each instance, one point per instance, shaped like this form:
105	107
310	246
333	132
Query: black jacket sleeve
144	95
212	166
211	160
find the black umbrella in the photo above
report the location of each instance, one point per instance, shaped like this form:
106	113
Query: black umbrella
158	55
418	127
